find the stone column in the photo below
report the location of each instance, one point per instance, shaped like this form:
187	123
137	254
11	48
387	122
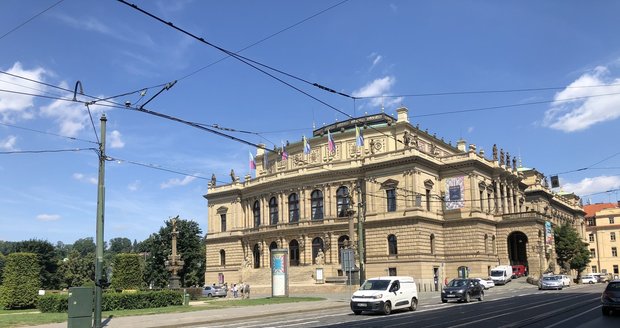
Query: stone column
473	188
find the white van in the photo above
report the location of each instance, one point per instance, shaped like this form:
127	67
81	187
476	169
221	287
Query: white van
384	294
501	274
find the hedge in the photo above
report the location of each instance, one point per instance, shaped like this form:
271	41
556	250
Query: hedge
21	281
117	301
128	272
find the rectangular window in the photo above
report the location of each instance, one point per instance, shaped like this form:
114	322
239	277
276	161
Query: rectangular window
418	200
428	200
616	269
614	251
594	268
591	222
482	200
223	221
391	200
612	236
611	220
592	252
392	272
591	237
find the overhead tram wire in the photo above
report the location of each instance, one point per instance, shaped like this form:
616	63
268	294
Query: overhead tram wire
45	151
589	167
30	19
48	133
266	38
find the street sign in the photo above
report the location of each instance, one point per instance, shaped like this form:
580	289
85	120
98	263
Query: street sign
348	259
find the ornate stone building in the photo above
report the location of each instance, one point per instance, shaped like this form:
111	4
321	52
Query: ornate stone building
603	235
429	209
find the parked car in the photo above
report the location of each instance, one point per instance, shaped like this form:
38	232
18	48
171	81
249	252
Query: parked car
610	298
565	279
589	279
486	283
214	291
462	290
550	282
518	271
384	294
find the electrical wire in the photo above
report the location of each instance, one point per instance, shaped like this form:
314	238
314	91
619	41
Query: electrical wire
589	167
44	151
157	167
48	133
30	19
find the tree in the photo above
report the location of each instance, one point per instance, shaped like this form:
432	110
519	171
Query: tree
77	270
21	281
128	272
48	260
120	245
2	259
571	251
153	250
84	246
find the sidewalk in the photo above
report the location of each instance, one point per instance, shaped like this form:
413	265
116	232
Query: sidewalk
169	320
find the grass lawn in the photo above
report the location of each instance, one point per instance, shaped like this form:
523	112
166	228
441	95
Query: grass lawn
15	318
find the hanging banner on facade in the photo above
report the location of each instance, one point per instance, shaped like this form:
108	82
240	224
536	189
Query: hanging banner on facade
549	238
455	193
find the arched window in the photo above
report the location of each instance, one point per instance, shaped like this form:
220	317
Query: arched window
293	208
293	251
256	211
392	247
343	241
273	211
316	198
272	246
342	201
256	255
222	257
486	243
432	243
317	245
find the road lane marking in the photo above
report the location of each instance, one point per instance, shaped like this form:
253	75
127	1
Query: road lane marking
573	317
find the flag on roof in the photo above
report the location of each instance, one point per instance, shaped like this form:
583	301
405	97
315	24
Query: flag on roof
284	153
306	146
252	162
359	138
331	145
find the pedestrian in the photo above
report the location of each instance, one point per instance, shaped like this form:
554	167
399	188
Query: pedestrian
242	290
235	290
246	290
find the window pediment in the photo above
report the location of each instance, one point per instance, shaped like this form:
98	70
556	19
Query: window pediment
389	184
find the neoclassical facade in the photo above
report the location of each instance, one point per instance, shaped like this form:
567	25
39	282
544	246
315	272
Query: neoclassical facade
428	208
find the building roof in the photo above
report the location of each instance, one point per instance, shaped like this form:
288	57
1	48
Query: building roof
591	210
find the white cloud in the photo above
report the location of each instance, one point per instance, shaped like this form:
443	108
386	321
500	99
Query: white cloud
72	117
580	114
375	58
379	87
134	186
8	143
48	217
177	182
82	178
592	185
115	140
17	106
470	129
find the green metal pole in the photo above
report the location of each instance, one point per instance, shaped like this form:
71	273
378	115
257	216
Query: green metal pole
100	216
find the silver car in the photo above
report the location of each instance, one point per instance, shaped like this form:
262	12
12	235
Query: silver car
550	282
214	291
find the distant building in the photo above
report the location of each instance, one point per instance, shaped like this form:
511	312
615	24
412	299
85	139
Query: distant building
603	234
429	209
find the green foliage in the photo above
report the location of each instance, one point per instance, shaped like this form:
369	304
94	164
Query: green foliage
117	301
128	272
571	251
120	245
77	270
195	293
154	251
53	303
21	281
191	247
48	260
1	266
84	246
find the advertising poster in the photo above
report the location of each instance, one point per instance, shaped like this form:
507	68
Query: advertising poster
279	272
549	239
455	193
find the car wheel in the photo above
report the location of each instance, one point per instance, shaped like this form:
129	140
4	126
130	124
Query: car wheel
591	282
387	308
357	312
209	295
481	296
605	311
444	300
466	299
414	304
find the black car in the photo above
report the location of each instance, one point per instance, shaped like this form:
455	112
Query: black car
462	290
611	297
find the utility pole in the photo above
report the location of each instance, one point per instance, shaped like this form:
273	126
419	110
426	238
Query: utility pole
100	215
360	230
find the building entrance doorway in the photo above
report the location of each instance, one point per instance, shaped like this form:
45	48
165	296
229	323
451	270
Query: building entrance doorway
517	248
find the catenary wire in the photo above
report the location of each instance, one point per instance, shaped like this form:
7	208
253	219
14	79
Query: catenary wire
48	133
44	151
30	19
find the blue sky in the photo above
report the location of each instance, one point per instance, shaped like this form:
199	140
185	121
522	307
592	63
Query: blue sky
361	48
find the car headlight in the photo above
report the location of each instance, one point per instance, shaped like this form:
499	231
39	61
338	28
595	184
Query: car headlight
378	296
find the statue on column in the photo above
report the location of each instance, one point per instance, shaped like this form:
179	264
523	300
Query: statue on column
501	156
507	159
495	152
415	141
233	177
320	258
514	163
213	181
406	139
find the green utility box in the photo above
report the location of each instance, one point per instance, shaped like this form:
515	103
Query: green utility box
80	307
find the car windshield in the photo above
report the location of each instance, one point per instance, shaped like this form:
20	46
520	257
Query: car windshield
550	278
615	286
375	285
497	273
457	283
